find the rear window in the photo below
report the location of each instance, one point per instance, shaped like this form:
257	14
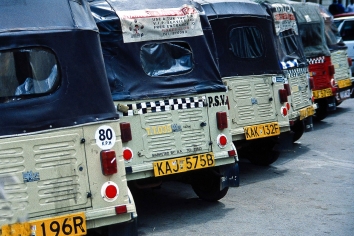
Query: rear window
246	42
347	31
288	42
26	73
165	59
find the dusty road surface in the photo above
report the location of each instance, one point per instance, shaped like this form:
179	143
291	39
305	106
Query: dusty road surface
309	190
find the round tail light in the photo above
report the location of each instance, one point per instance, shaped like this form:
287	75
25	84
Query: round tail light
127	154
333	82
221	140
284	111
287	106
109	191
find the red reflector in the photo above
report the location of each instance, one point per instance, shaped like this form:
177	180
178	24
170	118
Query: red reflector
232	153
311	82
288	106
283	94
284	111
111	191
125	131
121	209
331	70
291	122
350	61
127	154
108	162
223	140
221	118
287	88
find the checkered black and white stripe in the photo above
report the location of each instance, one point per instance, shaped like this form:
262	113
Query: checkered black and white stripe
291	73
165	105
316	60
289	64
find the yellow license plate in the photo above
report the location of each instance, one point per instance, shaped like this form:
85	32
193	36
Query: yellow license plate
306	112
72	224
344	83
322	93
261	131
183	164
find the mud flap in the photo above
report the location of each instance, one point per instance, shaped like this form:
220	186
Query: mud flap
308	124
230	176
331	103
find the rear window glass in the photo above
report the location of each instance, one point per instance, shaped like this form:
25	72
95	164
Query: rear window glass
246	42
288	42
26	73
165	59
347	31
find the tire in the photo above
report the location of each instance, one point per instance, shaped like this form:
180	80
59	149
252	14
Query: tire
321	111
261	153
207	187
298	130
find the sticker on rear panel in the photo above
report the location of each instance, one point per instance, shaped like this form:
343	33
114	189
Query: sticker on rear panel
157	24
105	137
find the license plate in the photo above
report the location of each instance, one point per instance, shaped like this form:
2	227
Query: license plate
344	94
183	164
261	131
322	93
306	112
73	224
344	83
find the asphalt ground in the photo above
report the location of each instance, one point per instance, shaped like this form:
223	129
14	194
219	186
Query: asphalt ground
309	190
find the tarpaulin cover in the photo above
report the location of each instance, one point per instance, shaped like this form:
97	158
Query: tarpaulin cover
312	29
253	49
186	65
65	28
288	41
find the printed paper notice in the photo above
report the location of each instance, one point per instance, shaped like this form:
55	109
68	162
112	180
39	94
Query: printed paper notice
158	24
284	18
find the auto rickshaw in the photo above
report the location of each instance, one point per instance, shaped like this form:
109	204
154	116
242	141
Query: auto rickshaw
162	70
62	170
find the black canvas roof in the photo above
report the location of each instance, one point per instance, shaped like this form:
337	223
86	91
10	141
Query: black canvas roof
65	28
123	60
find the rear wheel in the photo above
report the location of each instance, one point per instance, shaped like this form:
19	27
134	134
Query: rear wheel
207	186
261	152
298	130
321	111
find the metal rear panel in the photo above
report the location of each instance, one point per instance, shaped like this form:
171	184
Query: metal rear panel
340	61
43	176
299	85
253	100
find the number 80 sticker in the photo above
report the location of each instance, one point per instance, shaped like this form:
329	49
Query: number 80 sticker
105	137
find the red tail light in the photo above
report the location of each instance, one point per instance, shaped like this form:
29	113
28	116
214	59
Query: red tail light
121	209
127	154
221	118
108	162
232	153
287	88
333	83
350	61
283	94
125	131
331	70
312	83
